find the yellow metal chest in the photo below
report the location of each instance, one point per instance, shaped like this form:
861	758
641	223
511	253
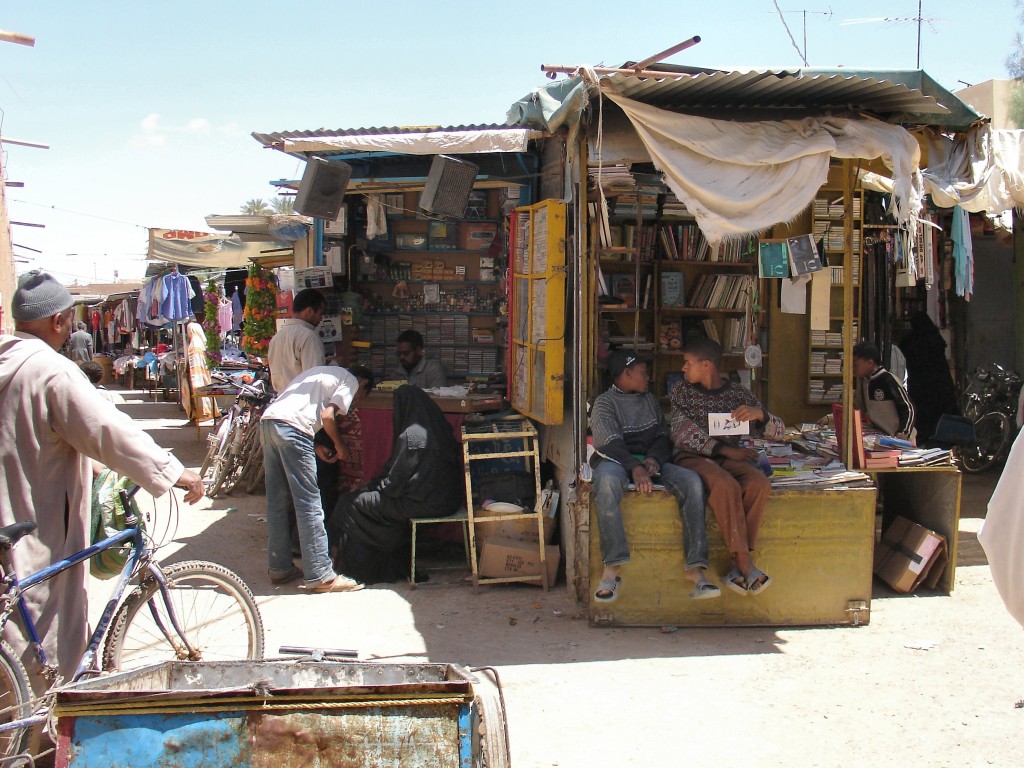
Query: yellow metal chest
817	546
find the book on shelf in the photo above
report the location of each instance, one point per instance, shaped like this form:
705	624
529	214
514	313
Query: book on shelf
646	293
673	289
711	330
803	255
623	287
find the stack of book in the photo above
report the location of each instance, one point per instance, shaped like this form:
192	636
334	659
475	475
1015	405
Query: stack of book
881	458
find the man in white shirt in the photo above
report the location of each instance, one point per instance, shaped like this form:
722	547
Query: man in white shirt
313	399
297	347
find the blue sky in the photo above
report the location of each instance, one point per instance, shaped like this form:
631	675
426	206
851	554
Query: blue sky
148	107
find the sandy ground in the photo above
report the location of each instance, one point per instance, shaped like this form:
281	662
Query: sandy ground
932	681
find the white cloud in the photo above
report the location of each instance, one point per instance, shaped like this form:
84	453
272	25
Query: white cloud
197	125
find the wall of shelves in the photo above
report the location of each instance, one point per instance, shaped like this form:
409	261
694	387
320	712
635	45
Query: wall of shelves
825	363
440	278
660	283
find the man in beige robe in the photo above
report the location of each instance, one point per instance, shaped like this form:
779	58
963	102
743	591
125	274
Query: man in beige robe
52	420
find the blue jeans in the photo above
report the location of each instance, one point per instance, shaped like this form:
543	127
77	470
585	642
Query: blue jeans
290	467
609	482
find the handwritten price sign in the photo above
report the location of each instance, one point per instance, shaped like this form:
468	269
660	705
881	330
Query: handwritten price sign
724	424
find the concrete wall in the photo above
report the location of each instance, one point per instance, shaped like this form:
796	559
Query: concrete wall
991	98
990	334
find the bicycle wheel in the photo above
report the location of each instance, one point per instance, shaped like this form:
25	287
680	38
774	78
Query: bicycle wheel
993	434
214	607
14	699
227	457
249	443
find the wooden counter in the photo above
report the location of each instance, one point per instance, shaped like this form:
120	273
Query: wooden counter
469	404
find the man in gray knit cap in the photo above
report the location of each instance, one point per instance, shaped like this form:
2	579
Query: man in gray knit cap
52	420
632	446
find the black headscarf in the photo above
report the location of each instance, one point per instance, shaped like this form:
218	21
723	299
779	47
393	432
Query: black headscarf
413	406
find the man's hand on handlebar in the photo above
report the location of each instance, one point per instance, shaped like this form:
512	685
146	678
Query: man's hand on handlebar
193	485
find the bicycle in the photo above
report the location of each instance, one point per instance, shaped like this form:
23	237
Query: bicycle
204	612
991	401
235	453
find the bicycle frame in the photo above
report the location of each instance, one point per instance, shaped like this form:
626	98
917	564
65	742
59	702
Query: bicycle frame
140	559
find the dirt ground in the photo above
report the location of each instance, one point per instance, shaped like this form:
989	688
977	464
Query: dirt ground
931	681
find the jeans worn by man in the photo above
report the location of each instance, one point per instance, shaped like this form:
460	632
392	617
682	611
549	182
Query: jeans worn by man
314	398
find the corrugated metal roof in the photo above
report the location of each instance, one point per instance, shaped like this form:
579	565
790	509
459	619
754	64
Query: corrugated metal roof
270	139
746	90
905	96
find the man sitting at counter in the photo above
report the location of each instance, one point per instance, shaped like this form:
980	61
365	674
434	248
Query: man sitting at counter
420	371
879	395
632	447
737	488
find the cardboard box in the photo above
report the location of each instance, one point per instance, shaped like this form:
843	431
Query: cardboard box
910	555
501	557
520	530
477	235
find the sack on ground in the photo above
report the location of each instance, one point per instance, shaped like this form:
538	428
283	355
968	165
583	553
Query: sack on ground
108	518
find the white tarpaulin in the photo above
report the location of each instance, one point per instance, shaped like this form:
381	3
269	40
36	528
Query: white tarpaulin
204	249
739	178
979	171
422	143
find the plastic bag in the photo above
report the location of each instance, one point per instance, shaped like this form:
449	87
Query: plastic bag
108	518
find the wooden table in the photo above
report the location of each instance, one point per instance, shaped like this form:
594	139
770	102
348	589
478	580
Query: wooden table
199	395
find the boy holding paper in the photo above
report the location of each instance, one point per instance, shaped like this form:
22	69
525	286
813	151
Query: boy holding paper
705	412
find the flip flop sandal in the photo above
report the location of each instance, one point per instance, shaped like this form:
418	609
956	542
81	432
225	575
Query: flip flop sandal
705	590
338	584
761	582
611	586
734	580
292	575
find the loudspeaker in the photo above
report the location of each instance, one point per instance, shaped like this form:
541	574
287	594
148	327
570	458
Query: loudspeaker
322	189
448	186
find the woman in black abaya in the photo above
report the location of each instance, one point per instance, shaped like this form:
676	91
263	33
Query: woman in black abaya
422	478
930	384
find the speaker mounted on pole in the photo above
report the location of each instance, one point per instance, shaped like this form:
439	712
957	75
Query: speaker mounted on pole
448	186
322	188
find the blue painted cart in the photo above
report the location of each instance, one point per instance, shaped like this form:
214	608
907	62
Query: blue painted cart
283	714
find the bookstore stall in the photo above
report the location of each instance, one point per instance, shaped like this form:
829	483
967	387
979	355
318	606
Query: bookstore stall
692	218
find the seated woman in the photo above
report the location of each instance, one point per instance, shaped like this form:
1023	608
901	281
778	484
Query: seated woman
423	478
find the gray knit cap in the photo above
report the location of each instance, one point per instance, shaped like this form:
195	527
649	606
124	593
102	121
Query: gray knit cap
39	295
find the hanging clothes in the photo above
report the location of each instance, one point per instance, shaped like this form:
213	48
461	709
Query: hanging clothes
237	311
198	375
224	315
176	304
198	302
963	252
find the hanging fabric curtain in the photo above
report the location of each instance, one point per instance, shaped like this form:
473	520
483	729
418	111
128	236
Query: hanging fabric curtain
739	178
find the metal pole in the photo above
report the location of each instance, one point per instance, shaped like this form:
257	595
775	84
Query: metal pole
918	34
669	52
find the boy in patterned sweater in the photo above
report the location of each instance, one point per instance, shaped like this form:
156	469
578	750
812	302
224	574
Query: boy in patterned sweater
737	489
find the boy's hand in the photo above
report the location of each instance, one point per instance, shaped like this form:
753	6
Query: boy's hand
749	413
642	479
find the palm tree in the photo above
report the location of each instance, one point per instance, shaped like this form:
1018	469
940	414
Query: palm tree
256	207
283	205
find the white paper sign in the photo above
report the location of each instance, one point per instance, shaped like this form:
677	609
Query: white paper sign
724	424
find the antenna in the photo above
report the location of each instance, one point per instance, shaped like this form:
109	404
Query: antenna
899	20
803	53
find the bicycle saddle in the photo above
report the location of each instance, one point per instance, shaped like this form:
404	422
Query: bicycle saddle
11	534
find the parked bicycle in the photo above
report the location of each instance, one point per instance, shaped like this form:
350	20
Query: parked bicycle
990	400
235	457
194	610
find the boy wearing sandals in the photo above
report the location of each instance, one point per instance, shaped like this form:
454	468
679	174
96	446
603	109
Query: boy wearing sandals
632	445
737	488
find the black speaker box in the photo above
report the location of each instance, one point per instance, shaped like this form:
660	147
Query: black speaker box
448	186
322	189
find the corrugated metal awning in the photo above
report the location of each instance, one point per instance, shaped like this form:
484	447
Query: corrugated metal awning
407	140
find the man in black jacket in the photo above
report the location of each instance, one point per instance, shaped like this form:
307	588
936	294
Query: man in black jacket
632	446
879	395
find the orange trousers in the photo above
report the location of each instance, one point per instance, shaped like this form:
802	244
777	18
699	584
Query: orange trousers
737	492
